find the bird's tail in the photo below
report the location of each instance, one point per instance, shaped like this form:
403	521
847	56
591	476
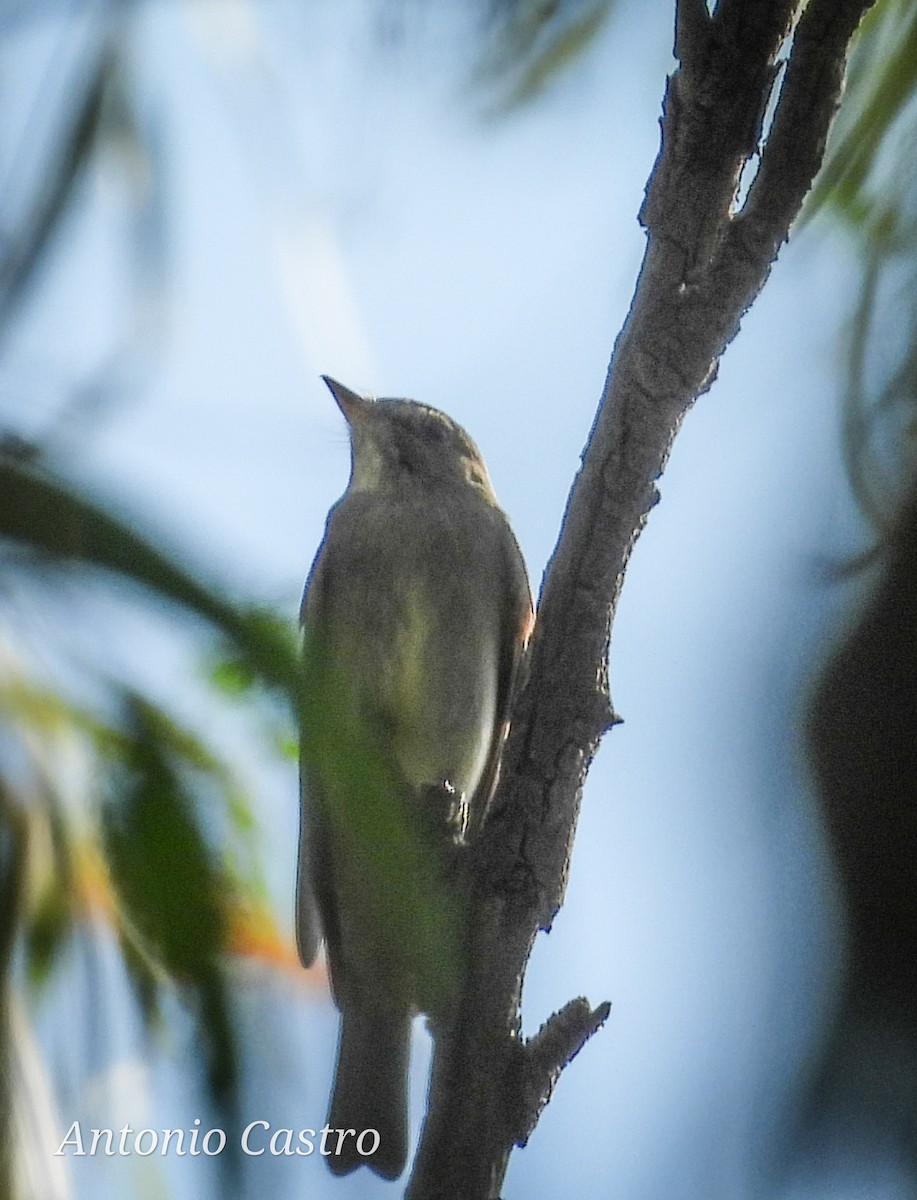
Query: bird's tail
370	1097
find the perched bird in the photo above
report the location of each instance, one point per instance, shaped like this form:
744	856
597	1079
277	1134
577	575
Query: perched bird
416	615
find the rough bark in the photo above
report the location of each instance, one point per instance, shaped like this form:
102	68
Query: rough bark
706	260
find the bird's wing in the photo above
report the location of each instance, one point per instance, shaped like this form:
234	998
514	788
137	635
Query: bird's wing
516	621
315	911
330	898
308	924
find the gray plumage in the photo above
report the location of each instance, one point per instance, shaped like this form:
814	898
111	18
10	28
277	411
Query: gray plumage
419	606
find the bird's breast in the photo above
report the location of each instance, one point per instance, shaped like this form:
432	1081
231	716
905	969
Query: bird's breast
438	688
414	604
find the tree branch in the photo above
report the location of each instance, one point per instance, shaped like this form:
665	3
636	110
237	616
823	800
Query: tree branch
702	269
553	1047
809	99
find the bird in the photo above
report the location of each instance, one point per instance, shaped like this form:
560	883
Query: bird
416	616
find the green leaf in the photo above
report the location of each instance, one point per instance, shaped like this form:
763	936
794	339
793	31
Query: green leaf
170	887
49	925
881	86
40	512
232	676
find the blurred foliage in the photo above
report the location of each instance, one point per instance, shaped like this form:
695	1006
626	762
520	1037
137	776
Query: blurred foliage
863	709
40	513
22	253
880	89
530	43
520	48
388	868
869	183
125	818
161	795
173	896
860	729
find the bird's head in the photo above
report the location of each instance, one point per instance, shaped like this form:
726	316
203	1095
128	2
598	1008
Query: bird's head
400	445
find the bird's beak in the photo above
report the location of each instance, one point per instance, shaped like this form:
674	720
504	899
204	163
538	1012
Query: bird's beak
350	403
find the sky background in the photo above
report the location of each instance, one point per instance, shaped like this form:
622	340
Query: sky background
340	201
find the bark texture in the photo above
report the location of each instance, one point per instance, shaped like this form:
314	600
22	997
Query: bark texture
706	260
